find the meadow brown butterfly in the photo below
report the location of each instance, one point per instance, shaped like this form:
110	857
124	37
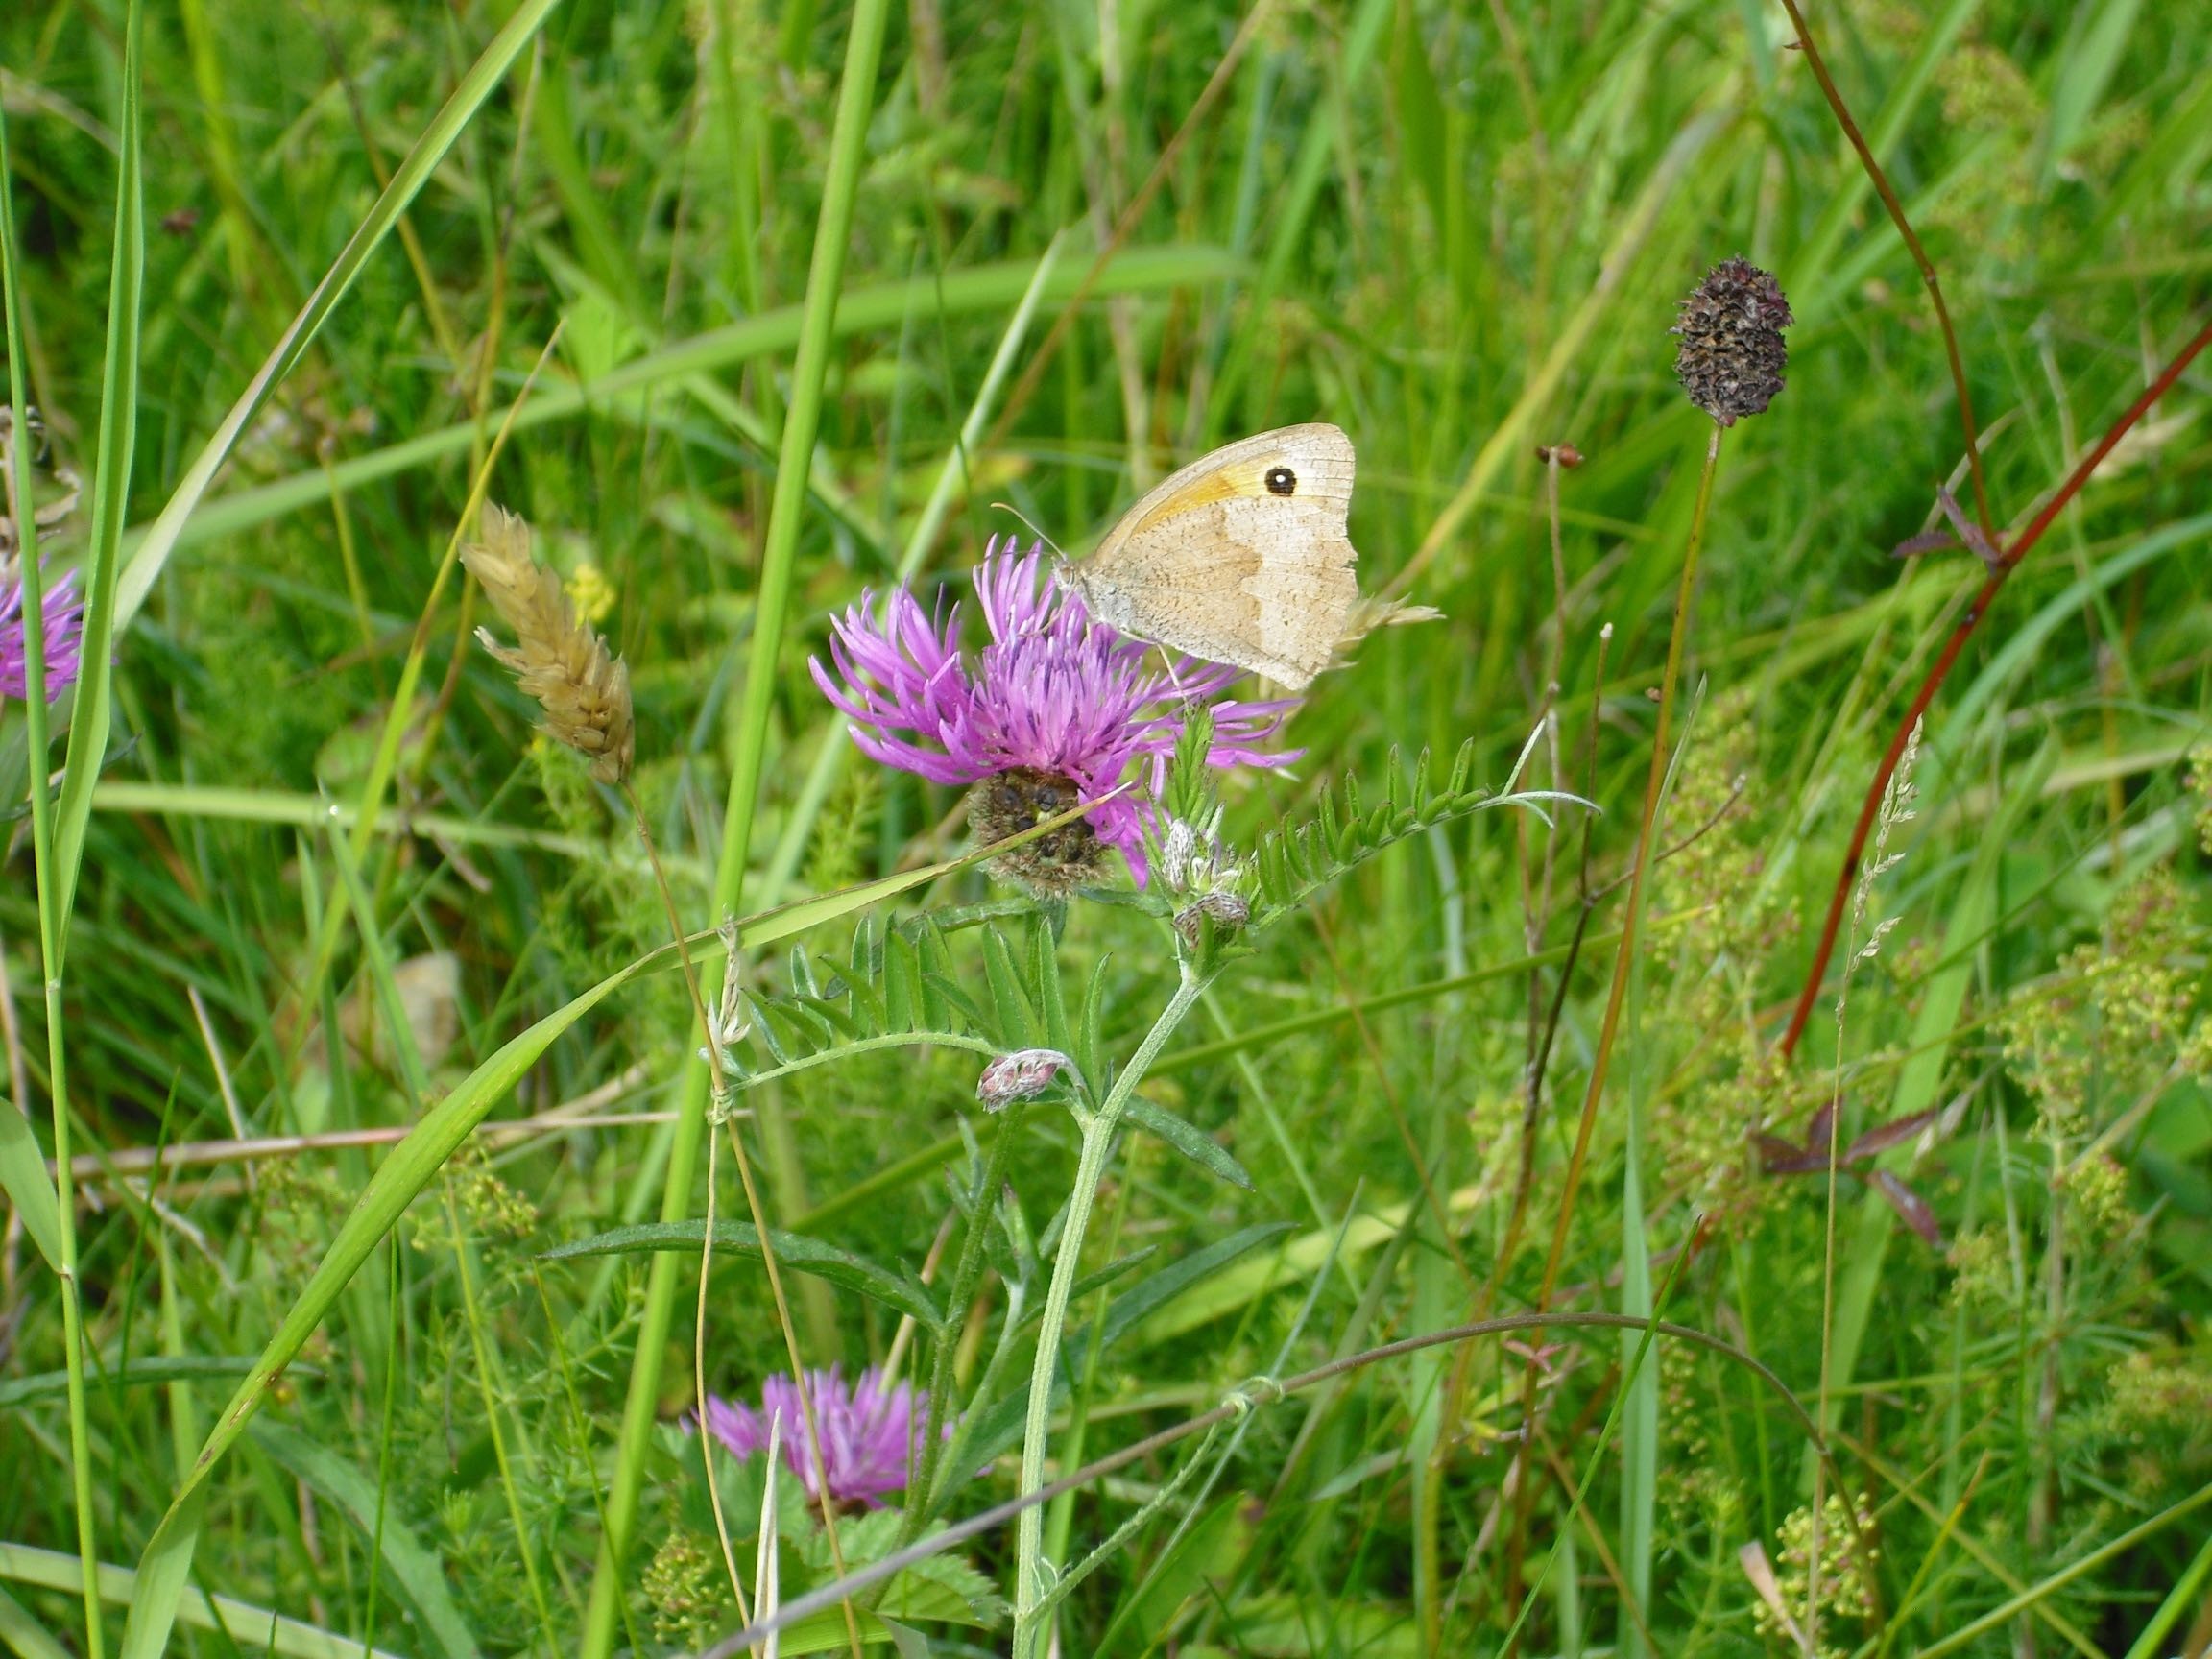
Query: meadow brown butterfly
1242	558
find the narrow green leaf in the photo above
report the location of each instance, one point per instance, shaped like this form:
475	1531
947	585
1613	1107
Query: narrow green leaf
1186	1276
150	1368
94	708
1017	1024
1097	1279
24	1636
1187	1139
270	1632
23	1177
1044	975
798	1251
1091	1054
901	972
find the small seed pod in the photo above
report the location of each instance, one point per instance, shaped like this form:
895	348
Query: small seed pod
1732	356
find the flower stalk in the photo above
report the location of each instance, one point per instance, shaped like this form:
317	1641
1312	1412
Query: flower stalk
1032	1591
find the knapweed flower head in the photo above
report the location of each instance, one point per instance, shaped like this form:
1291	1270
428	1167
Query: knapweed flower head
62	608
1058	709
869	1432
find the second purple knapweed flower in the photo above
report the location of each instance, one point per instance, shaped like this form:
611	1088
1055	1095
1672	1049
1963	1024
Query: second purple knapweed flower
62	609
1056	709
868	1431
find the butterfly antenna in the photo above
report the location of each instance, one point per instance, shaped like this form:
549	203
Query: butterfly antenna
1058	552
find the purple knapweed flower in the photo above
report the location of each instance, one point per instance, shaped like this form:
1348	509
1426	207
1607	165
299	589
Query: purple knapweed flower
868	1431
1057	709
63	610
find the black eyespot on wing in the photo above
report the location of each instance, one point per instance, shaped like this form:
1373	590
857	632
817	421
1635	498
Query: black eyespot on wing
1282	481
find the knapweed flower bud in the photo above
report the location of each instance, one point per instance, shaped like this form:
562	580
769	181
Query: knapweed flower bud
1230	911
1205	878
1732	356
1021	1075
560	661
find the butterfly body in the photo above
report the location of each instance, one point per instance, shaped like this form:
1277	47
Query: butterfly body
1242	557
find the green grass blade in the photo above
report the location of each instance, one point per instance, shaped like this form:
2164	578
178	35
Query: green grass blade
416	1575
816	330
262	1630
960	293
483	78
793	1250
110	499
23	1178
24	1635
2184	1595
150	1368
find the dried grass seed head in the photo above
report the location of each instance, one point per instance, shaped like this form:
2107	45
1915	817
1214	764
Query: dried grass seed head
1732	356
558	660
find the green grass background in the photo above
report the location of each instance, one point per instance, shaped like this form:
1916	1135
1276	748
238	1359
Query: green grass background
1458	232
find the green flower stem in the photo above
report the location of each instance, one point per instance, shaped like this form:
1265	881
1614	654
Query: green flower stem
848	147
1098	1131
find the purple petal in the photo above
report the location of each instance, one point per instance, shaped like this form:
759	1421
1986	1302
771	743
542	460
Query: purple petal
1053	691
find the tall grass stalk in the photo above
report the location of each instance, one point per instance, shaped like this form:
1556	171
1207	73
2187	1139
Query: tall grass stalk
1896	810
59	828
802	422
52	924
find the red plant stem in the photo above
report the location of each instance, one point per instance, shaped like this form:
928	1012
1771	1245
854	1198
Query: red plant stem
2018	549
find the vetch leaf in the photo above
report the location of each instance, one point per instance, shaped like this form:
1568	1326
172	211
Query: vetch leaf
1185	1276
1187	1139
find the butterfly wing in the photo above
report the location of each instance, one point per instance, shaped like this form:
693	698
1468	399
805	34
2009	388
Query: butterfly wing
1241	557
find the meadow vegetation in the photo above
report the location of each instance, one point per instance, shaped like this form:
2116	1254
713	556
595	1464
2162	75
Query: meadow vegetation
383	1185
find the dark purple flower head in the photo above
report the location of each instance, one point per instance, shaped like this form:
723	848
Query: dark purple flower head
63	610
1055	709
868	1431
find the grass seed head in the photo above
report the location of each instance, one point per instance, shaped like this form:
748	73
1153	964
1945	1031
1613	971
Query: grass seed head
559	659
1732	356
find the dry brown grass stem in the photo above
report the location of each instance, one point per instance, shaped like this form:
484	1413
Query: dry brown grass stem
558	659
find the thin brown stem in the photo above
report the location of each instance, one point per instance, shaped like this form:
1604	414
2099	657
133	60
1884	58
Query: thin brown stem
1624	952
807	1415
1911	237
